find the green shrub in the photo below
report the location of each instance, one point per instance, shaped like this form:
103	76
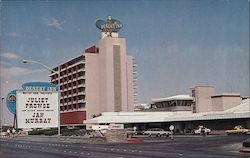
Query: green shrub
246	143
36	132
51	132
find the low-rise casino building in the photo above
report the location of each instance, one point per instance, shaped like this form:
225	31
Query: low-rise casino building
201	107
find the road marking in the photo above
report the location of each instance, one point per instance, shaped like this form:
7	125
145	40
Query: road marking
88	153
82	153
75	152
64	151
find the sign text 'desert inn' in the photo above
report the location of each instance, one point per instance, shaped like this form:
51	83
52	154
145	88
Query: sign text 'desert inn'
110	25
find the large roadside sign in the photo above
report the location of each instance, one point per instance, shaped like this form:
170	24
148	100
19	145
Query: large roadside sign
37	109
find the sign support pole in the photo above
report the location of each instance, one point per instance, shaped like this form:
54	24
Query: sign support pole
2	99
59	103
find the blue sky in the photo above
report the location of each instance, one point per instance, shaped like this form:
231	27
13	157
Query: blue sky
176	43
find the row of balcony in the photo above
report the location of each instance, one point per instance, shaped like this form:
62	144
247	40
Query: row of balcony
69	76
72	102
70	94
73	107
72	88
72	63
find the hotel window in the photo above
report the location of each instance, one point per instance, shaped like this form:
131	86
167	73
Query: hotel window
81	105
193	93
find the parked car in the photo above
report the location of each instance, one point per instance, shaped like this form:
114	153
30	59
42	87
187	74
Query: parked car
157	132
187	131
131	132
3	134
238	130
202	130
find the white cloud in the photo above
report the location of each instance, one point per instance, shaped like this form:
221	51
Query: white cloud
13	35
13	71
53	22
17	71
10	56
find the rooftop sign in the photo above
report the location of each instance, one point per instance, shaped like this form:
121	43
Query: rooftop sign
110	25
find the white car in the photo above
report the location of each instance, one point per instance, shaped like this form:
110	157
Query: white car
202	130
157	132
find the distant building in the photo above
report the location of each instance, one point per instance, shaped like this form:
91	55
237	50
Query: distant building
225	101
185	112
140	107
174	103
182	120
102	79
202	98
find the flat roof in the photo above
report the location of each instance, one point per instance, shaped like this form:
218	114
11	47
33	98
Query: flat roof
201	86
226	95
240	111
176	97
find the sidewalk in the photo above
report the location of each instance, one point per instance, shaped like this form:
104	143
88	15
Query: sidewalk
70	139
245	149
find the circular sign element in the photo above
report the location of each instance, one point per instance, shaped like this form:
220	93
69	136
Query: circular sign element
11	101
171	127
12	98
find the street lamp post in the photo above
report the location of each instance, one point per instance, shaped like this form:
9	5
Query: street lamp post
2	99
59	91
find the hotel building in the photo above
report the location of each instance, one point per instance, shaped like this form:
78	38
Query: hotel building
102	79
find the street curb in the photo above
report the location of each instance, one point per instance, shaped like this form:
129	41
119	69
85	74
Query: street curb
135	140
245	149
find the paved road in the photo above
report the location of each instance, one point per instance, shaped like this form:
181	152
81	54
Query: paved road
186	147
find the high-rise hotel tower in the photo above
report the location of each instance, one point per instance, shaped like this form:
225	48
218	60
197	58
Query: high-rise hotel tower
102	79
